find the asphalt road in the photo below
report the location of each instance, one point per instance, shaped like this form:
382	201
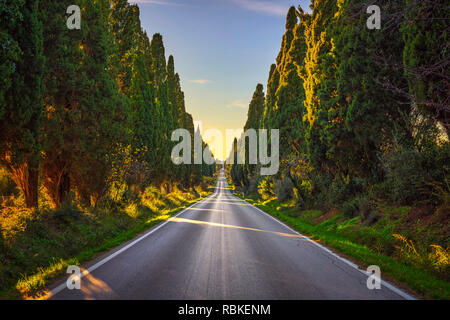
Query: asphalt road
222	248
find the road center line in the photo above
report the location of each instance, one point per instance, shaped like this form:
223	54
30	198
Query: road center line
351	264
63	285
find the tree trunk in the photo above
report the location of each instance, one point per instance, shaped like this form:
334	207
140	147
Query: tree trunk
56	182
26	179
63	189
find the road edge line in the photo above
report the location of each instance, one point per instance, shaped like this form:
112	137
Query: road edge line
388	285
63	285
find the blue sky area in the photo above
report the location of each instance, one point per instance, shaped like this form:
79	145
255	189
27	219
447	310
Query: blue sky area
222	49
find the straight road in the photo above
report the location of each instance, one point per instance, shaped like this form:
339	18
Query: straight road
223	248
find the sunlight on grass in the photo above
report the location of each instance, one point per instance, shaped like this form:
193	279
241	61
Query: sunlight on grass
41	245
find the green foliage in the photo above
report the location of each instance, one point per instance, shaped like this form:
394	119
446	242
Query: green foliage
284	189
422	264
350	209
348	103
359	206
36	248
424	54
7	185
86	109
342	189
411	175
21	92
12	16
265	188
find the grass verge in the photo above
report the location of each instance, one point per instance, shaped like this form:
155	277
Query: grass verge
37	247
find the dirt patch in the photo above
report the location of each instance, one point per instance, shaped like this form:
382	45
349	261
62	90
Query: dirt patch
422	214
427	216
442	215
330	214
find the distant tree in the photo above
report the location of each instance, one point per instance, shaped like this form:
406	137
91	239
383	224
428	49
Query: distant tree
254	121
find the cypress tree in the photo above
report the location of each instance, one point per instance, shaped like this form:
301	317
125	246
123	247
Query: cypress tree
272	86
21	97
159	72
290	93
12	16
125	27
100	106
254	117
359	108
425	57
63	83
319	43
82	106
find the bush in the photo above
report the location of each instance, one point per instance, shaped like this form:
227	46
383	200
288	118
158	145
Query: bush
284	189
350	209
318	194
413	176
434	257
253	185
68	212
361	206
265	188
341	190
7	185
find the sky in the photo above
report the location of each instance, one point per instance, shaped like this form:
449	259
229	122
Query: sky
222	50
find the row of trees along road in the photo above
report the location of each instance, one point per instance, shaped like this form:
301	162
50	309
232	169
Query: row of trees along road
362	113
83	109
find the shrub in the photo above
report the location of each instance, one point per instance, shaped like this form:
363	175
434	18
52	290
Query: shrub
265	188
413	176
285	189
361	206
435	257
7	185
67	213
341	190
349	209
318	194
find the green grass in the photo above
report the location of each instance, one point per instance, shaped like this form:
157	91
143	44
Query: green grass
36	248
348	237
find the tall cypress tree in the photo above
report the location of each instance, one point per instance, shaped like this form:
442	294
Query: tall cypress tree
21	98
256	108
425	57
254	118
63	83
125	27
290	93
159	73
272	86
101	124
83	110
11	17
360	117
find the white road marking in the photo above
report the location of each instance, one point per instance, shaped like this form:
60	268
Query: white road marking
63	285
351	264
